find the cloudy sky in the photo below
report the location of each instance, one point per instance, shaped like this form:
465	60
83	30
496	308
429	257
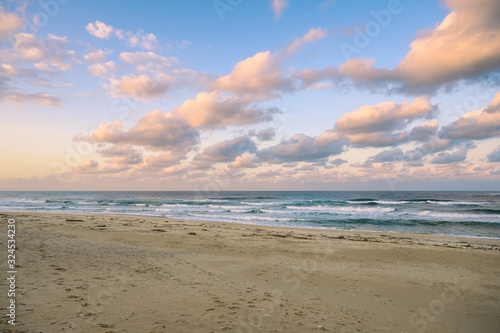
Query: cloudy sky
250	95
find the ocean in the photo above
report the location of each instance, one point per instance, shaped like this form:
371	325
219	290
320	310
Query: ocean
470	214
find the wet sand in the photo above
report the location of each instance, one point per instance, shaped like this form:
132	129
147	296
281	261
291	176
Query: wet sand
80	273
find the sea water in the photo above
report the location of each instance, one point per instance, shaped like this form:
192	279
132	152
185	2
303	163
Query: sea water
473	214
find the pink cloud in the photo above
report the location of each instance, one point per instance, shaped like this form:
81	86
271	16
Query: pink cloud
480	124
214	110
438	57
260	76
311	36
278	6
10	23
383	116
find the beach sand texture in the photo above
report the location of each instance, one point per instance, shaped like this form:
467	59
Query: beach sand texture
136	274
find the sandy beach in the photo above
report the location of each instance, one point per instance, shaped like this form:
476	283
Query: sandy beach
80	273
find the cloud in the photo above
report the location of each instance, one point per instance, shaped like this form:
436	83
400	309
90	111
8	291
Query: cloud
259	76
301	147
103	69
145	61
142	87
391	155
213	110
15	97
52	51
161	161
338	162
479	124
244	161
30	60
153	77
228	150
382	124
310	37
10	23
99	29
433	145
494	156
266	134
326	4
89	166
444	55
458	155
437	58
139	38
424	131
98	56
157	130
122	155
278	6
383	116
359	71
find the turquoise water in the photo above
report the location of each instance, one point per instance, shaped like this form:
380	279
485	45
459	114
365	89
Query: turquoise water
474	214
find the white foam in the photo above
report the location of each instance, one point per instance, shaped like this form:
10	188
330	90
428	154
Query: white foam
343	210
450	203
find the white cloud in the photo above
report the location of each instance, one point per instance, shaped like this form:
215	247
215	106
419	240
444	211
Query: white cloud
99	29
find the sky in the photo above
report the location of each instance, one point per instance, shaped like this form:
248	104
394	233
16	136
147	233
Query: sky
250	95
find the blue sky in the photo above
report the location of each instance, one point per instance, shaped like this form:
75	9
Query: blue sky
280	94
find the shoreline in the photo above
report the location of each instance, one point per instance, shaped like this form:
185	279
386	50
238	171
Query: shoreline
80	273
298	228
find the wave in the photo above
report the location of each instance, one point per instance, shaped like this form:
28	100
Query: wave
28	200
343	210
378	202
363	199
459	203
485	211
59	201
228	207
445	217
428	200
254	211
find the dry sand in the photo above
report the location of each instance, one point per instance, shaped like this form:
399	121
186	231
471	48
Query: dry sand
135	274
